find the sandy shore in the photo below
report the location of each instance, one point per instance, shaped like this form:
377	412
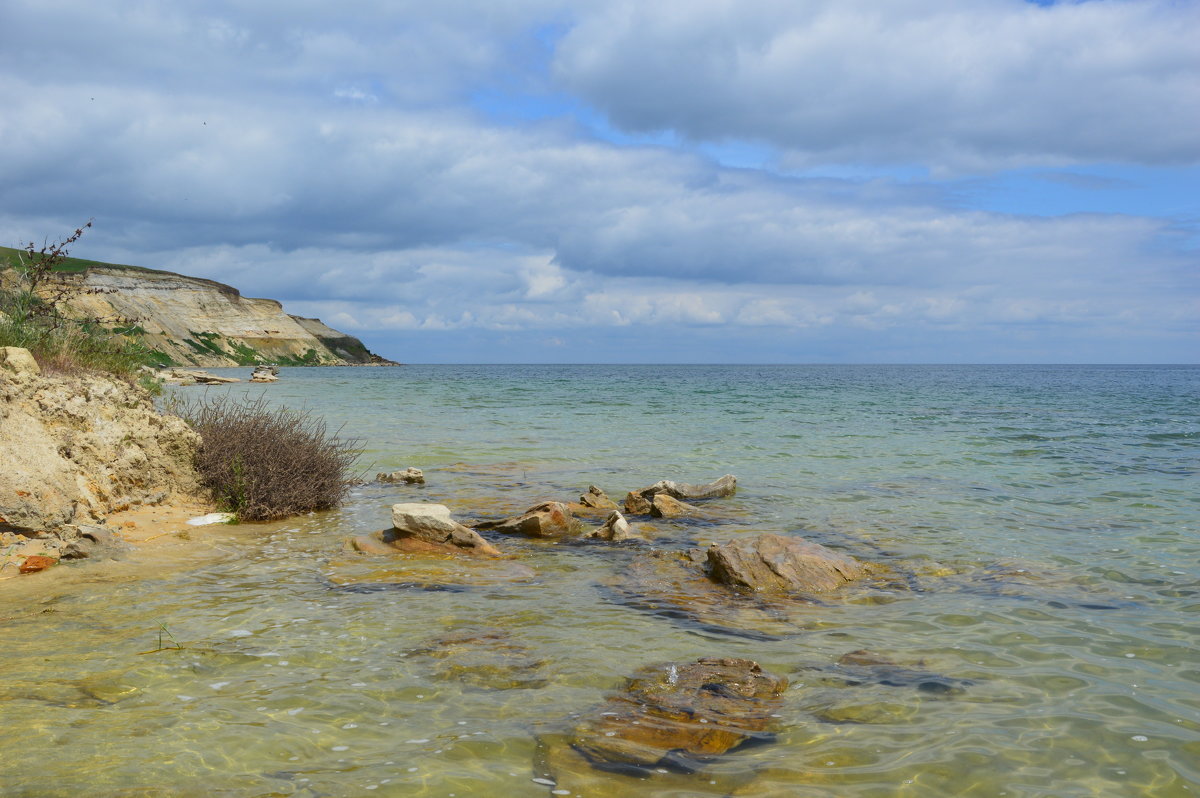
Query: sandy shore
159	537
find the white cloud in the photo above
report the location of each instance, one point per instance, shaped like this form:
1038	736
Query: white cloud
970	84
329	158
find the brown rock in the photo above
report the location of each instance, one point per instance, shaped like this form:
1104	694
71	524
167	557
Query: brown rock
96	542
636	504
774	563
675	585
36	562
863	657
597	499
371	544
681	714
665	506
547	520
194	376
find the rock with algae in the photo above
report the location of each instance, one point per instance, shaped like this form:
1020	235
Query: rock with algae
681	715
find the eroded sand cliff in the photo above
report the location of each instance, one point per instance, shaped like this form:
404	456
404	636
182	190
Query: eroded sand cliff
76	449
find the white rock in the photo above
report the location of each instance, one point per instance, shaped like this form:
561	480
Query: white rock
418	517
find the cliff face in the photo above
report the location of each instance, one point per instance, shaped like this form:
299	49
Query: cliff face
78	448
200	322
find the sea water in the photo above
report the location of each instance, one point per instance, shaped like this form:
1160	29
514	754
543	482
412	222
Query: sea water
1042	522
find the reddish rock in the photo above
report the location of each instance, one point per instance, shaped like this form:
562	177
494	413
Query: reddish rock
36	562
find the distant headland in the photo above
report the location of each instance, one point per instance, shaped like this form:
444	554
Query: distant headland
199	322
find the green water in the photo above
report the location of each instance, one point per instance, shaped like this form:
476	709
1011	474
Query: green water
1042	522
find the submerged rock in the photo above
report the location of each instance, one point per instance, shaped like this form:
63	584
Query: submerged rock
681	715
615	529
483	657
880	713
410	475
675	585
862	667
427	570
546	520
778	564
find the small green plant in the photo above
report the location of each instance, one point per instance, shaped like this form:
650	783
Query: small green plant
152	384
173	643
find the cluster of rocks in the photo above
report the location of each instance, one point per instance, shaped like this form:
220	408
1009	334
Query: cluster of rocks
265	374
674	715
422	528
178	376
181	376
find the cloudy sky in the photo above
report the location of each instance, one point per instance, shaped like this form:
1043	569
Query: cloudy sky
620	181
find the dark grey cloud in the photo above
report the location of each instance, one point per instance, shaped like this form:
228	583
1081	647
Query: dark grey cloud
974	84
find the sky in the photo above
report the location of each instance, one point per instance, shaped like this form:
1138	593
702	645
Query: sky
617	181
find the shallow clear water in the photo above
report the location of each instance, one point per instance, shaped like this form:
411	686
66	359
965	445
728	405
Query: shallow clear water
1042	524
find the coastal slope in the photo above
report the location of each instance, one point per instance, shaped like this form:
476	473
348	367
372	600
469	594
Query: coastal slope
199	322
77	449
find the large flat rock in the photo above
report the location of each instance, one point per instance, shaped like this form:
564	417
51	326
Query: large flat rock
778	564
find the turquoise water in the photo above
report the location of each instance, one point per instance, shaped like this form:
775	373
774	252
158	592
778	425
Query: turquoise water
1041	523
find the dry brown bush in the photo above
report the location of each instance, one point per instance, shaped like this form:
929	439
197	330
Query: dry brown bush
263	462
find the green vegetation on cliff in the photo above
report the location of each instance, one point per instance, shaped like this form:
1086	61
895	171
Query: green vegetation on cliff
174	319
33	316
